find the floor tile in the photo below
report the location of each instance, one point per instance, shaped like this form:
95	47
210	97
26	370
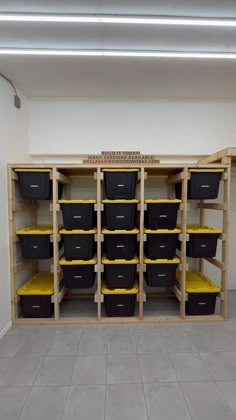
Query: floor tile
66	344
69	329
190	367
20	330
156	368
125	401
55	370
205	401
4	363
21	371
85	403
36	344
10	344
93	342
90	370
178	341
222	365
146	328
44	403
149	342
213	340
123	368
165	402
12	401
228	389
121	343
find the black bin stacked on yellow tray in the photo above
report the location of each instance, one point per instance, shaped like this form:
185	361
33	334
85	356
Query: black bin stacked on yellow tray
161	241
78	263
36	244
202	292
120	242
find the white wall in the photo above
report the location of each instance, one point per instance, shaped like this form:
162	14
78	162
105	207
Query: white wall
161	126
14	148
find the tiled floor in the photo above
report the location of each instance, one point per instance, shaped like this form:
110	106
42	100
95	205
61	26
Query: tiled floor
140	372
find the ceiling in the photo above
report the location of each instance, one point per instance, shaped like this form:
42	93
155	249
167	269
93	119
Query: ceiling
119	77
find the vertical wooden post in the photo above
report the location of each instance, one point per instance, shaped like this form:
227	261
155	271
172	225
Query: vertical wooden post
183	242
12	245
55	242
141	237
99	250
225	242
202	222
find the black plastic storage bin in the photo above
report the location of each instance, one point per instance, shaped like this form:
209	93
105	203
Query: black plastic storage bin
78	214
161	243
78	274
120	183
78	244
36	296
119	302
161	272
35	242
120	274
120	214
35	184
120	244
203	184
202	241
161	214
202	294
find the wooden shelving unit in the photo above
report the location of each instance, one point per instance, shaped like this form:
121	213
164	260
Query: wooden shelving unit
81	179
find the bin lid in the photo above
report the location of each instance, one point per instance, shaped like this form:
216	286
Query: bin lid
40	284
169	231
77	201
120	170
64	261
175	260
162	200
206	170
198	283
123	232
32	170
36	230
133	201
194	228
132	291
120	261
77	232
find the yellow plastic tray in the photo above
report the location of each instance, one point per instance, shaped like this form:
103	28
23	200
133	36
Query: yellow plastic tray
77	201
40	284
160	231
133	291
162	200
120	170
77	232
192	228
32	170
36	230
198	283
162	261
122	232
63	261
119	261
206	170
120	201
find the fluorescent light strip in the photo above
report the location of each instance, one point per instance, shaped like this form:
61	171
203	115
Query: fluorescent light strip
118	19
119	53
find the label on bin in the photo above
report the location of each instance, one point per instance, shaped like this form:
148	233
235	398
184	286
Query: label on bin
120	246
77	217
163	215
120	185
78	247
201	303
120	217
161	275
34	186
120	304
120	276
203	245
162	246
77	277
35	246
205	186
36	306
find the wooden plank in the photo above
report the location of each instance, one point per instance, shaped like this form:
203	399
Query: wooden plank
184	239
12	250
212	206
62	178
173	179
178	294
19	207
215	156
202	215
100	238
55	243
21	264
141	250
60	296
225	244
216	263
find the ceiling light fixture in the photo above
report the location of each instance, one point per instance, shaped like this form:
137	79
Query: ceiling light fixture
119	53
119	19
